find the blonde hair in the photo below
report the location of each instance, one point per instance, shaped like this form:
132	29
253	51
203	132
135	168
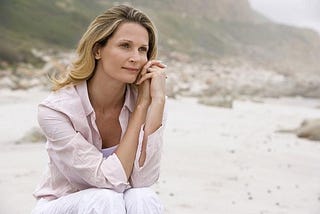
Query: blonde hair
98	33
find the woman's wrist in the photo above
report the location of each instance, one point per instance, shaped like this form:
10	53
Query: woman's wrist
142	106
158	99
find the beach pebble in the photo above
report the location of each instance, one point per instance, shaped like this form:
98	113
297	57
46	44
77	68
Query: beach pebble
34	135
309	129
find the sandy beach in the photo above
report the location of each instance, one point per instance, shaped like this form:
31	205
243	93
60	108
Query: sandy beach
215	160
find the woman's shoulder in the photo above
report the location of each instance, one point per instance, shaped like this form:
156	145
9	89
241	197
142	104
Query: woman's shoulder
63	94
66	100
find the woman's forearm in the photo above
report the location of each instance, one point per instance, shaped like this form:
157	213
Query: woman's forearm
154	115
127	148
153	122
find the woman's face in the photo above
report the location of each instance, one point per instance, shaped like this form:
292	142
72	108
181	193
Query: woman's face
125	53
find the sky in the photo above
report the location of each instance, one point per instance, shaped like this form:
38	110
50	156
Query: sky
303	13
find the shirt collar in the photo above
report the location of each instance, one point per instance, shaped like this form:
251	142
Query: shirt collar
84	96
129	102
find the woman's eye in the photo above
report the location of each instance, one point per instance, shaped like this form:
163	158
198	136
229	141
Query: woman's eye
143	49
124	45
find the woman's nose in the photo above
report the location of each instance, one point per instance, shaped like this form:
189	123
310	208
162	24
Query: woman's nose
135	56
132	60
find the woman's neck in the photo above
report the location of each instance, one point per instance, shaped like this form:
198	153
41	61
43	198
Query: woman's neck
105	93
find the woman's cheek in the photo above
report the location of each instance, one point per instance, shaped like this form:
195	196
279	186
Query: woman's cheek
145	59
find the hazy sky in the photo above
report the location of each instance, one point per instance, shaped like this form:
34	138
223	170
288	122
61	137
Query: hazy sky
295	12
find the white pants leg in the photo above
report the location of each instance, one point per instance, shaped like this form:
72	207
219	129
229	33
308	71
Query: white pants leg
89	201
142	201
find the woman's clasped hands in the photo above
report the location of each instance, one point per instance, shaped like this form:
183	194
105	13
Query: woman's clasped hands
152	82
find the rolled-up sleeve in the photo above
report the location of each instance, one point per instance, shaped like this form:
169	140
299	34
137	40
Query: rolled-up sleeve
147	174
78	160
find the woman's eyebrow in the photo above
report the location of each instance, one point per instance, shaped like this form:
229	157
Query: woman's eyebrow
127	40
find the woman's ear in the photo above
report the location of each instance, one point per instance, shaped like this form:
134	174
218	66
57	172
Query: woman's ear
97	51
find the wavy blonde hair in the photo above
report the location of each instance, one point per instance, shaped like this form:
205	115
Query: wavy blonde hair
98	32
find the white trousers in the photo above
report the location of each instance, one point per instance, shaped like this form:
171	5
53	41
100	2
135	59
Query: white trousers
103	201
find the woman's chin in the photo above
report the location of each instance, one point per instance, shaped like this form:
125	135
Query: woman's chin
130	80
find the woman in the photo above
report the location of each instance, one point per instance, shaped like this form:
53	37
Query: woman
104	121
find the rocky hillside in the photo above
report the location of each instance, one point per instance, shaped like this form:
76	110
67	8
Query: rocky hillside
207	29
41	24
214	48
210	9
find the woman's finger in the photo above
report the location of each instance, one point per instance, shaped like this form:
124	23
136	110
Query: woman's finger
152	63
157	70
149	64
152	72
144	77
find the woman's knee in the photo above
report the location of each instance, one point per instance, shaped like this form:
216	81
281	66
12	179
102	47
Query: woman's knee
102	201
142	200
93	201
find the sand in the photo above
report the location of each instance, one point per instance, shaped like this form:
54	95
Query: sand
215	160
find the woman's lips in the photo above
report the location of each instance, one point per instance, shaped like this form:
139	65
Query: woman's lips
133	70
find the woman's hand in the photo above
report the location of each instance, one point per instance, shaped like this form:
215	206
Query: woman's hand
154	72
144	97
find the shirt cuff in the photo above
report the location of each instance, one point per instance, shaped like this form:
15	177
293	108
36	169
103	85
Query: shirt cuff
114	172
154	145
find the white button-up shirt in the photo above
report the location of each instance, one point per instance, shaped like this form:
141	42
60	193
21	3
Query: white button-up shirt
74	146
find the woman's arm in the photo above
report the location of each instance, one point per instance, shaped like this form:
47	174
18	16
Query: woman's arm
153	122
127	148
79	161
148	173
147	164
155	114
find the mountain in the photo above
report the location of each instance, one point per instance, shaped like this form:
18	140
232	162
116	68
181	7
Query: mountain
41	24
200	29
